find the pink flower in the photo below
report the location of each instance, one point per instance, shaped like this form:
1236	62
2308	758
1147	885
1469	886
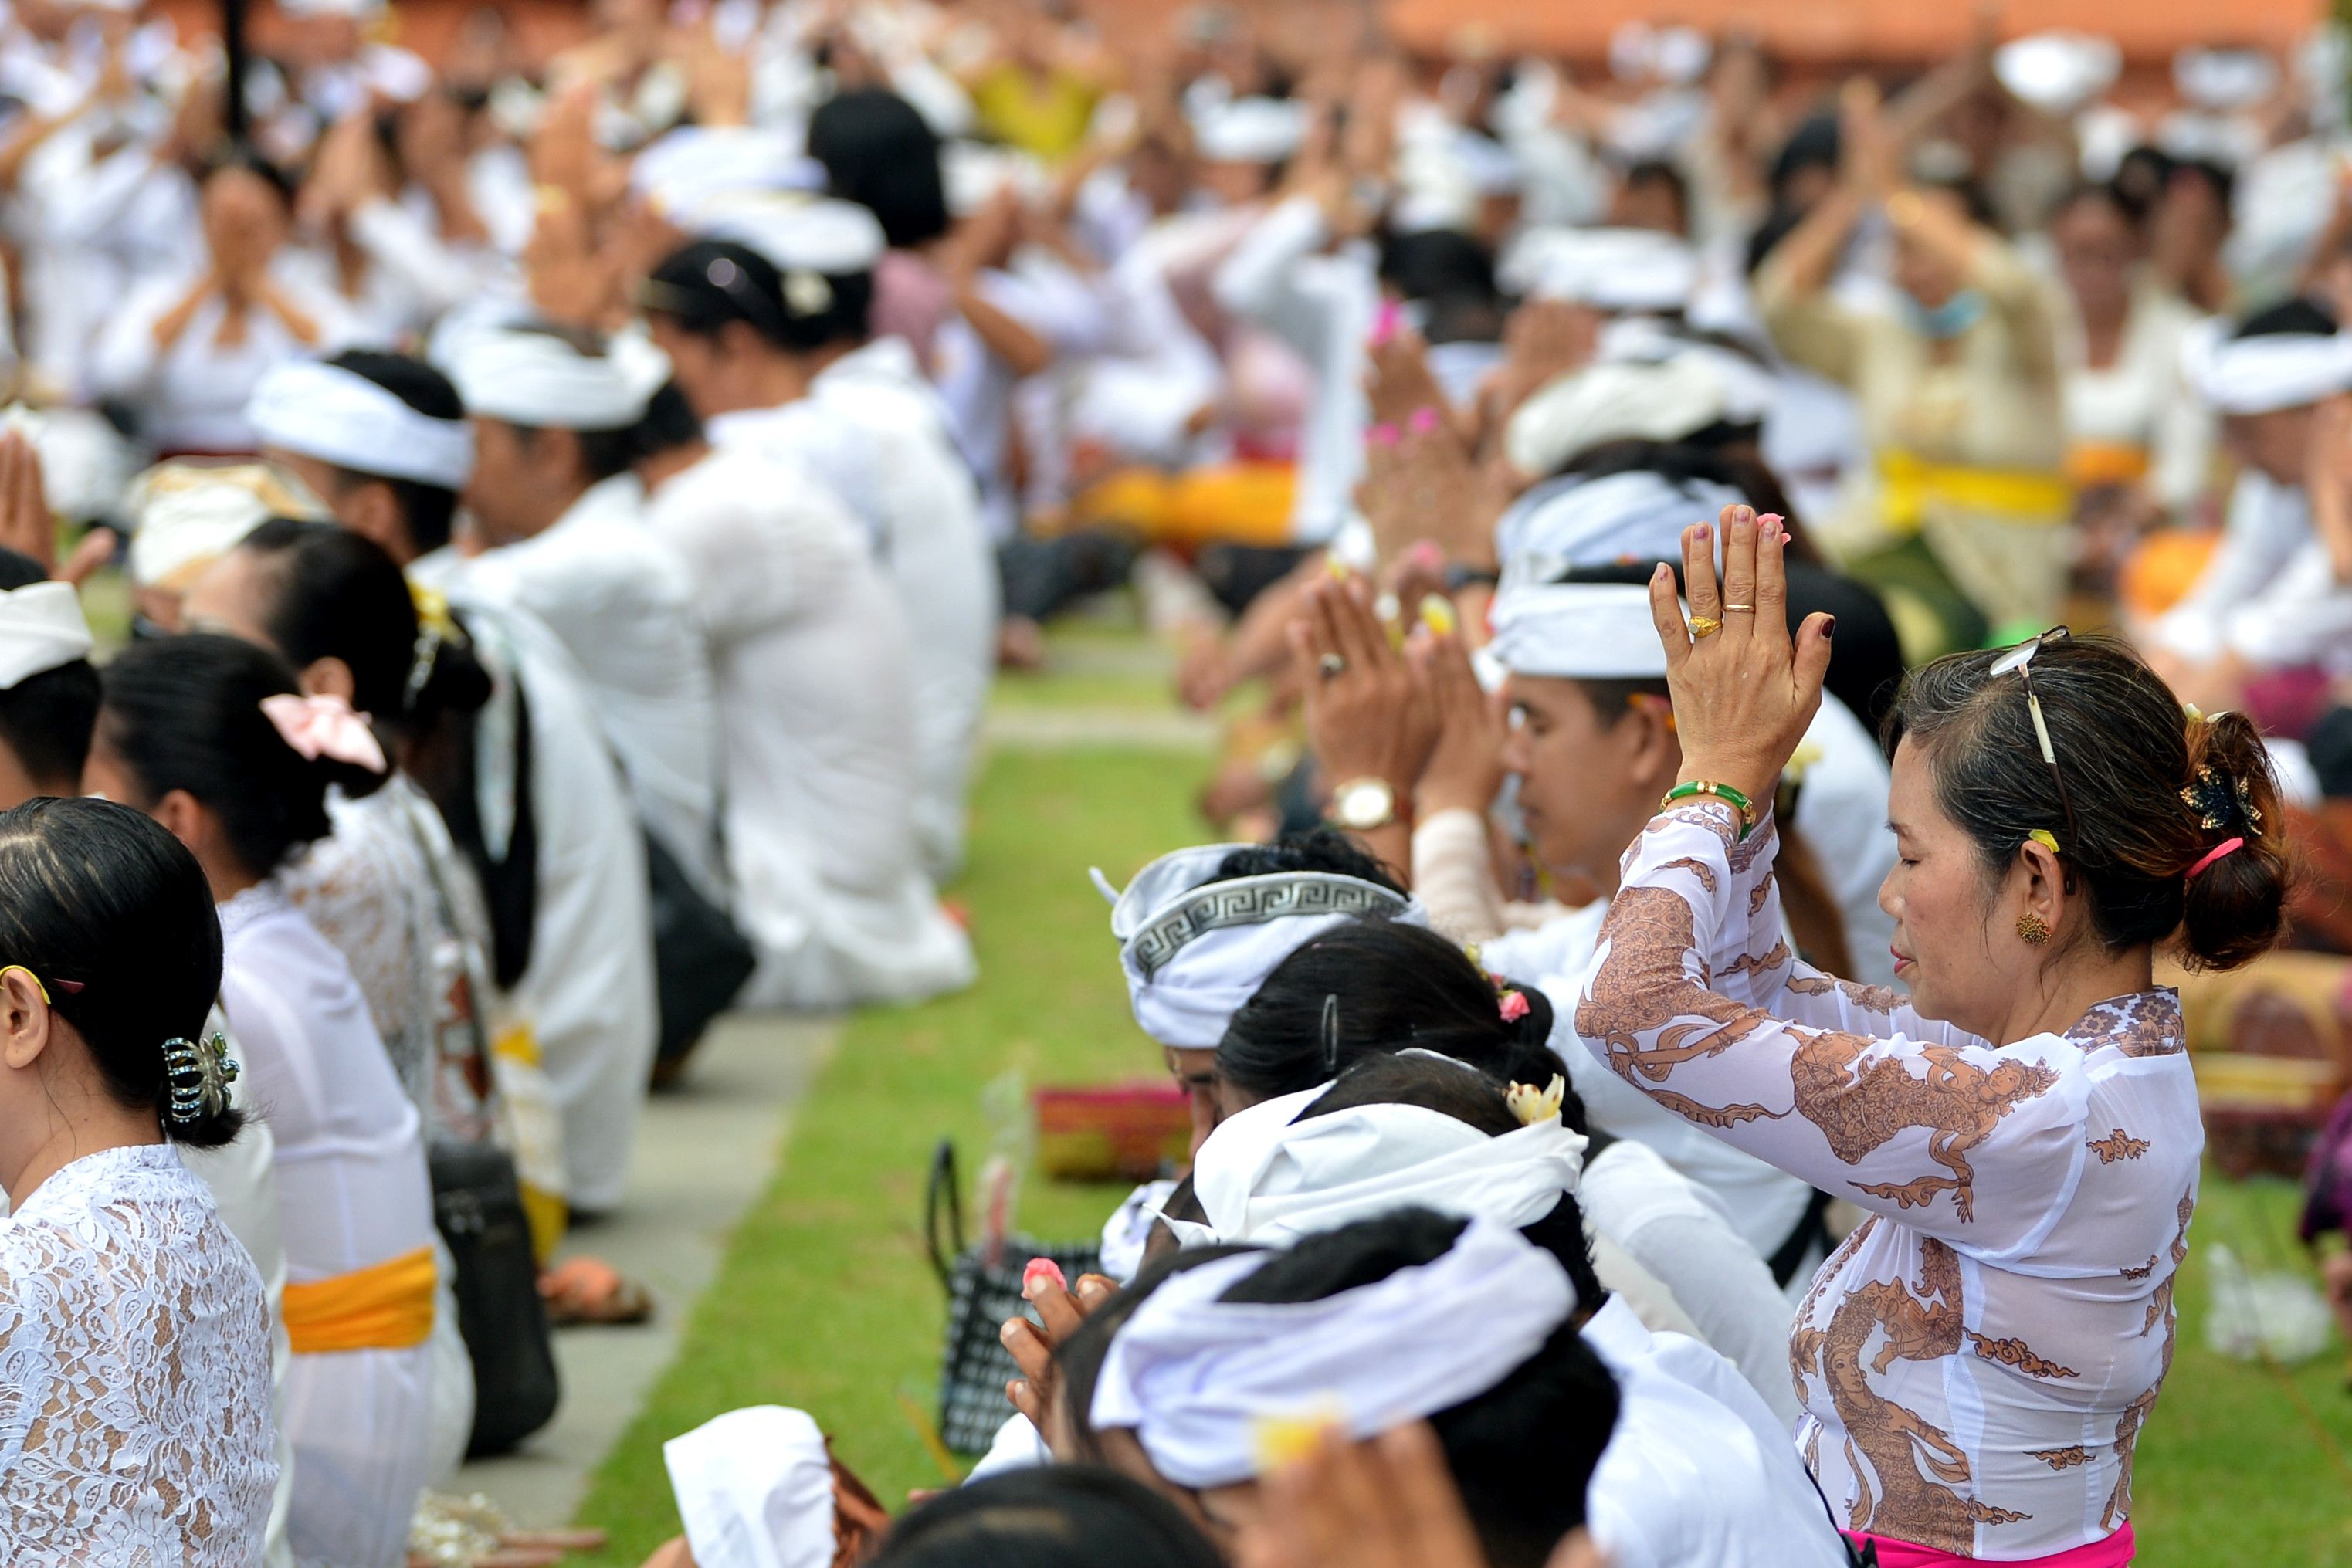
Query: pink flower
1042	1270
1514	1006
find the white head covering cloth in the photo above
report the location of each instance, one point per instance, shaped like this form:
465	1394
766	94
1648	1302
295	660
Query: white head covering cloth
41	627
2273	370
185	516
538	378
1194	951
1656	400
1578	631
339	416
1613	269
1249	130
1191	1375
754	1489
1274	1179
1575	521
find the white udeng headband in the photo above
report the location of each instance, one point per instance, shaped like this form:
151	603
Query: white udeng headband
41	627
339	416
2274	370
1273	1178
1578	631
1193	1376
538	380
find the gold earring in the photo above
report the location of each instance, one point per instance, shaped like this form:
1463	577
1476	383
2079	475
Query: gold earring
2033	928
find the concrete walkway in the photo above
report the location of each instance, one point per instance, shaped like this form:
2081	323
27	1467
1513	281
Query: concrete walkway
683	1207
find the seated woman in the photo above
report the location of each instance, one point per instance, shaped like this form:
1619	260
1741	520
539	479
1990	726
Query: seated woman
2024	1130
189	732
386	887
135	1424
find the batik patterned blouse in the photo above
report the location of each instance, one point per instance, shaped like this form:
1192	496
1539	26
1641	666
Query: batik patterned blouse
1977	1360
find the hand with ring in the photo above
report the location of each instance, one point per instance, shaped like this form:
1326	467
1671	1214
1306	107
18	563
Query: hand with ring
1743	692
1369	713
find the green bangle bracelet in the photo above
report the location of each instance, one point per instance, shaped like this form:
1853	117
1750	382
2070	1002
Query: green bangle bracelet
1741	806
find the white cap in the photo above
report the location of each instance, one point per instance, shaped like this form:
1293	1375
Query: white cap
41	627
538	378
1249	130
1618	270
1578	631
2058	72
339	416
184	516
1639	51
2224	78
754	1489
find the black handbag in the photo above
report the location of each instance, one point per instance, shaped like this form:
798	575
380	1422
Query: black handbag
700	959
479	1207
975	1366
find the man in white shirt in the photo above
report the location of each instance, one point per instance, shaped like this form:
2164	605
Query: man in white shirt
809	646
383	441
764	320
553	495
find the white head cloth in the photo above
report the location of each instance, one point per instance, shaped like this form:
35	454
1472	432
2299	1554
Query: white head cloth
1249	130
1578	631
339	416
754	1489
1662	399
41	627
1193	1376
185	516
794	233
1194	953
1625	271
536	378
1639	52
2215	79
1748	385
1264	1176
681	173
2058	72
1636	516
2273	370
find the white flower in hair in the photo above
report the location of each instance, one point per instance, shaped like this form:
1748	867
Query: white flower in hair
1532	1105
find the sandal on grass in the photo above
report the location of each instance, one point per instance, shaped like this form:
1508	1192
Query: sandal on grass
591	1291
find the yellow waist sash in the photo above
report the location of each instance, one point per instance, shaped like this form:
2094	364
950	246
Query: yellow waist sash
1909	484
386	1306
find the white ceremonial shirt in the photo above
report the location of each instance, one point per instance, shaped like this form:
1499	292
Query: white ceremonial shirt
191	396
352	1193
2269	595
623	606
1680	1234
874	433
1698	1472
134	1425
815	705
1979	1356
588	991
1323	305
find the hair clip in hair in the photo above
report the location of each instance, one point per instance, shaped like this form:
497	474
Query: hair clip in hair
198	1077
2218	800
1331	1034
326	727
807	293
1534	1105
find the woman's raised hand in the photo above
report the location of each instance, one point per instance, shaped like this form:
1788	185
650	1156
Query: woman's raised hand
1743	692
1061	1308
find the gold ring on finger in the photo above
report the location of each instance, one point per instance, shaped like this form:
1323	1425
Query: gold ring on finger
1703	626
1740	610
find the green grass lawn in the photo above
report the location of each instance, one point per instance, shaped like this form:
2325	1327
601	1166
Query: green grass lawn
826	1301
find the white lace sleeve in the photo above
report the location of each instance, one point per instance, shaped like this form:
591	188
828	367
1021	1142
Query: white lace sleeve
134	1372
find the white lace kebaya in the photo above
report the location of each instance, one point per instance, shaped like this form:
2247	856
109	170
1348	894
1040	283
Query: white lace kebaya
134	1372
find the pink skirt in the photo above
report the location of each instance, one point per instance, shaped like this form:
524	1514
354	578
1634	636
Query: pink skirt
2115	1551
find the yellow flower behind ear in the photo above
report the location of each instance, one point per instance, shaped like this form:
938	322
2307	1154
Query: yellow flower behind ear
1279	1441
1532	1105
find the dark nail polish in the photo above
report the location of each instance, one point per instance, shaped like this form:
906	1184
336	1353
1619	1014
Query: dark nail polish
1829	628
